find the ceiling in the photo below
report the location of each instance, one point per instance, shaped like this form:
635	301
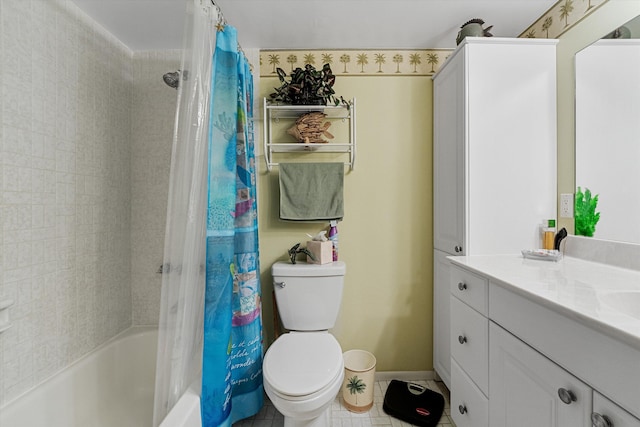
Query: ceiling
317	24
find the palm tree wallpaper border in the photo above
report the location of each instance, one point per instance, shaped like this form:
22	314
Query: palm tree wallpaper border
423	62
417	62
560	17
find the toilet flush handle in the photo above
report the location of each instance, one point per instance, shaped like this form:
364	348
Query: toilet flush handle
280	284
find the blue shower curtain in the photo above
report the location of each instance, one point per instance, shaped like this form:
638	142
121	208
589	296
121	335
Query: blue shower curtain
232	355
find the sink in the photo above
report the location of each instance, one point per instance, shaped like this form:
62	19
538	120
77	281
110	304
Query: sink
625	302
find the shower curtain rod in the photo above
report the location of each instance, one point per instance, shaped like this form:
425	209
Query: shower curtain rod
222	20
221	17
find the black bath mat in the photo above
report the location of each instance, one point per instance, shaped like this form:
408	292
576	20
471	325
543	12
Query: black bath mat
413	403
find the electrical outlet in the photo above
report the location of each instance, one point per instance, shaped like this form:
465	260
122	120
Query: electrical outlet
566	205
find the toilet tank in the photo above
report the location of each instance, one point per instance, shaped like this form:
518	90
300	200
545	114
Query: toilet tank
308	295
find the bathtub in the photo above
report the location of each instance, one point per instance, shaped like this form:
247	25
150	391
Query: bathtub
110	387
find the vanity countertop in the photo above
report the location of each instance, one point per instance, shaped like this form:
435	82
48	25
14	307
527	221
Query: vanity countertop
600	296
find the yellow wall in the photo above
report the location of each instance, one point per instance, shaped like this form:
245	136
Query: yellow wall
606	18
386	236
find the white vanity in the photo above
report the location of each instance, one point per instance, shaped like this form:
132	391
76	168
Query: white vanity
539	343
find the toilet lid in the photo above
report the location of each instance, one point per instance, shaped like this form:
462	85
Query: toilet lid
299	364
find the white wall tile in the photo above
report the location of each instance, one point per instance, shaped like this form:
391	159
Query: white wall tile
65	220
153	114
85	145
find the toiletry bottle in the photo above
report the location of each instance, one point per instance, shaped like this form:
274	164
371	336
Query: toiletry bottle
333	236
549	234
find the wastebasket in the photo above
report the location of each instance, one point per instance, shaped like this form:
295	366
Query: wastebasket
359	380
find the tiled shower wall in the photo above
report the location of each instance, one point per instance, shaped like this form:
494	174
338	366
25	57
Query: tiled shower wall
74	184
153	116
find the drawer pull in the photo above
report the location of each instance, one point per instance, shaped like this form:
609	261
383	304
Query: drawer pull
458	249
462	339
566	396
600	420
462	409
462	286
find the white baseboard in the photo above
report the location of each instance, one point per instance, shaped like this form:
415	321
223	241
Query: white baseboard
405	375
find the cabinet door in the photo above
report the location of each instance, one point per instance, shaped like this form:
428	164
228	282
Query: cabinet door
441	319
448	158
511	151
525	387
605	411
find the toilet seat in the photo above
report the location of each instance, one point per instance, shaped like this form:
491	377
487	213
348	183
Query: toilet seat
299	365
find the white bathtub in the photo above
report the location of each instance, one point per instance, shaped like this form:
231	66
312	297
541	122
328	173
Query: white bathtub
110	387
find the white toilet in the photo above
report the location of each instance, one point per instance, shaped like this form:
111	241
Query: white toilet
303	369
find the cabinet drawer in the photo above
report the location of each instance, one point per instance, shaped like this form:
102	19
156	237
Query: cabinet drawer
469	342
470	288
616	415
469	407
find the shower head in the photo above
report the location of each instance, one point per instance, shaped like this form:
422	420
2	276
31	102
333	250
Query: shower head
172	79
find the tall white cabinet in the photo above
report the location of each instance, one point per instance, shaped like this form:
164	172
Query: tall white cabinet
494	158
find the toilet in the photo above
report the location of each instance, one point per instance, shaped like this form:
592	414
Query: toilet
303	369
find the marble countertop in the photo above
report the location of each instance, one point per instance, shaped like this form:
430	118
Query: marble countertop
603	297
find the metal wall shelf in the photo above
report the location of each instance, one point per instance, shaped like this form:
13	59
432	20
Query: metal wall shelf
273	113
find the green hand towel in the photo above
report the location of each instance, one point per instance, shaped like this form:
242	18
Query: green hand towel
311	191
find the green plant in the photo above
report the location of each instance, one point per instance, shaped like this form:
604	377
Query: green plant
307	86
296	249
586	216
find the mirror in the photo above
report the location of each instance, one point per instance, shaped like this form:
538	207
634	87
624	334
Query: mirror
607	120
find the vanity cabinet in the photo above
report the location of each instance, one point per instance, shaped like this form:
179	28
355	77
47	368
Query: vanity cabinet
469	349
529	390
469	324
494	157
540	362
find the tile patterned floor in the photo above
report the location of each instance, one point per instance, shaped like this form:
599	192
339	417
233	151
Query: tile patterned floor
341	417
